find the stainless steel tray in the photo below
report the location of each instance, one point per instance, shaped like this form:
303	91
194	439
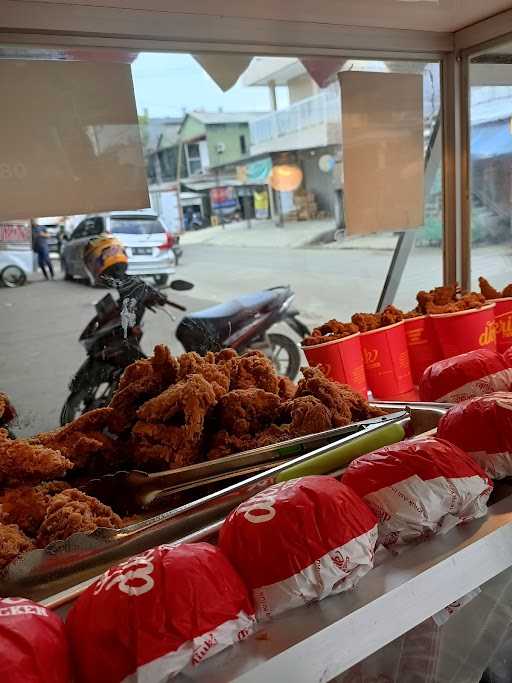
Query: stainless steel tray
61	572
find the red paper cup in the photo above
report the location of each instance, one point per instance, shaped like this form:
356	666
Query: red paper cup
465	331
343	361
503	320
386	361
422	345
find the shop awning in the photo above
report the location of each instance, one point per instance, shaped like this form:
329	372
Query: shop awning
491	140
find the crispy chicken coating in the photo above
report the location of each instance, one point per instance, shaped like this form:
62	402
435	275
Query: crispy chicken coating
164	446
162	366
26	506
246	411
286	388
186	402
225	355
82	440
25	461
305	415
72	511
13	543
391	315
487	290
507	292
365	322
330	331
253	370
216	375
125	402
316	384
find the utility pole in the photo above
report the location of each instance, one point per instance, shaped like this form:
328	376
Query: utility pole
178	181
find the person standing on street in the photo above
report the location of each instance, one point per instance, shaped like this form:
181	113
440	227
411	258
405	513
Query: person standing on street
40	247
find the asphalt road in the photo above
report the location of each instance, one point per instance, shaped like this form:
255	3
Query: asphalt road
41	322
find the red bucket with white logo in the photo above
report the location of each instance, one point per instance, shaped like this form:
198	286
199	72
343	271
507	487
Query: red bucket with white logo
422	345
342	360
386	361
465	331
503	320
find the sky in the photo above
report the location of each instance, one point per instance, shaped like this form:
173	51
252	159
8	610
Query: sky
166	84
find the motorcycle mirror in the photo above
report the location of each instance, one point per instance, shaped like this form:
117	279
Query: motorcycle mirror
181	285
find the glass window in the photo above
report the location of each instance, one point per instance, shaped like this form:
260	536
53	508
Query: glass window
194	159
134	226
491	166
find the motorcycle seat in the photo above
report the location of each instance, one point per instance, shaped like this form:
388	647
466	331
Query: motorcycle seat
256	302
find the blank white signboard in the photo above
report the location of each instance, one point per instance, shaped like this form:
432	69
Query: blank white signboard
382	124
70	139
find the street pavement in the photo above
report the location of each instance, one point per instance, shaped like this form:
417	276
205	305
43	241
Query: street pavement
40	323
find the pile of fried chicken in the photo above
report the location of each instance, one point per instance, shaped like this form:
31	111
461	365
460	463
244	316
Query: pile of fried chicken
446	299
167	412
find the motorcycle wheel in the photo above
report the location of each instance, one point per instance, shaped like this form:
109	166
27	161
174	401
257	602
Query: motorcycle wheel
161	280
96	395
285	355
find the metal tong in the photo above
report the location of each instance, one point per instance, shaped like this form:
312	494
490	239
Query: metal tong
128	492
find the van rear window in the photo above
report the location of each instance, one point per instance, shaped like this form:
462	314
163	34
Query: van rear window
136	226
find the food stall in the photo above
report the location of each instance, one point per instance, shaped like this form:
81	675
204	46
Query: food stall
435	610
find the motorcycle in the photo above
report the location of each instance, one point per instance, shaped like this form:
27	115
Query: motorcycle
112	339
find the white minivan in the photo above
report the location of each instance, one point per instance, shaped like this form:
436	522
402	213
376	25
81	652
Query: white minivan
148	244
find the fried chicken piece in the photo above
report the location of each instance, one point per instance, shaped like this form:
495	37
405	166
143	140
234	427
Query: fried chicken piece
359	407
286	388
444	295
365	322
471	300
391	315
127	401
26	506
305	415
190	363
330	331
216	375
488	291
82	441
163	446
316	384
7	412
507	292
247	411
72	511
415	313
13	543
253	370
24	461
225	356
161	366
223	444
424	300
188	402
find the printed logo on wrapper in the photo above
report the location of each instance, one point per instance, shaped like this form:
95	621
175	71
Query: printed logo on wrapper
132	577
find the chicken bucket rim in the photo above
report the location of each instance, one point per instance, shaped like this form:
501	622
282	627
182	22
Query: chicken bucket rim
486	307
305	347
383	329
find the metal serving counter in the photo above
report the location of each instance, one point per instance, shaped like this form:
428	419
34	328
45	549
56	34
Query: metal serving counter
314	644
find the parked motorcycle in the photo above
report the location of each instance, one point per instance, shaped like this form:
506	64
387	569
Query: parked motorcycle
112	339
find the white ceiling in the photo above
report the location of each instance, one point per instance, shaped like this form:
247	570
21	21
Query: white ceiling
425	15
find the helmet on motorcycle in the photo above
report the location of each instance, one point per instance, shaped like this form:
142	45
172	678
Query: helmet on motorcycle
103	255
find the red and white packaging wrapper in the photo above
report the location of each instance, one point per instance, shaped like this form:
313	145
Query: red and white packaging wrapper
507	357
482	426
475	373
418	488
299	541
33	644
156	614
